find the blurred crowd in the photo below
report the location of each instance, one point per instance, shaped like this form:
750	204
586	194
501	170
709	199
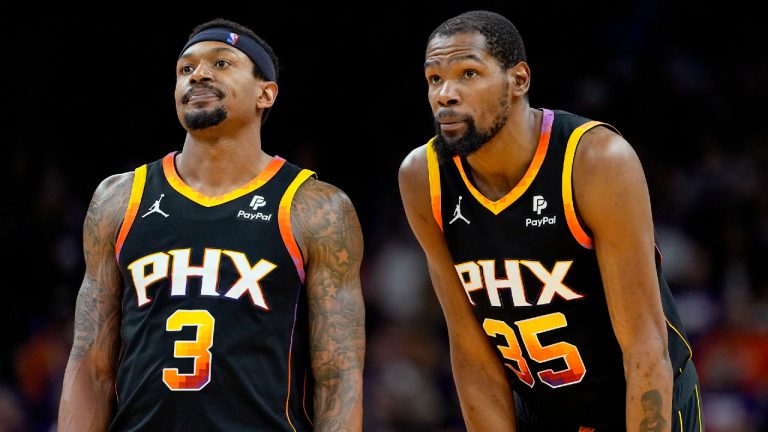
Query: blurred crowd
692	106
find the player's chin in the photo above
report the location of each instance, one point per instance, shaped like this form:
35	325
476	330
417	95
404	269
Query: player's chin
451	139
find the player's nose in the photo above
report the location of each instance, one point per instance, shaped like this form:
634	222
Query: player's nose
448	94
202	72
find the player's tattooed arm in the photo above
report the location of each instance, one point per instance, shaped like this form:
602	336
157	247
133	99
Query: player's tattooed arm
88	392
328	231
611	194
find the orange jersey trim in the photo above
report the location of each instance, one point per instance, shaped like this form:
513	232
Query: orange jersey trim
304	400
288	396
169	168
433	167
499	205
284	221
578	232
137	190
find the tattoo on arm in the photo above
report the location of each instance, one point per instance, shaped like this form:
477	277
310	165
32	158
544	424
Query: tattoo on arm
652	404
332	238
97	311
85	310
85	325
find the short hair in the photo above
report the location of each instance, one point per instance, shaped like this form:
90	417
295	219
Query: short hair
652	396
502	39
241	29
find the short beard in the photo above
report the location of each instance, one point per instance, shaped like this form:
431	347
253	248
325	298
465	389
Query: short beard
473	139
202	119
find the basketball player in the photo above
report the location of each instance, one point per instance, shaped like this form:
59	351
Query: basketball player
222	287
538	233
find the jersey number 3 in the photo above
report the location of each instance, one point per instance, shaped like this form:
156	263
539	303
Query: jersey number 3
529	330
199	349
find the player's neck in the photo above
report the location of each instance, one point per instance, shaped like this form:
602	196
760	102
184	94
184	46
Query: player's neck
500	164
214	164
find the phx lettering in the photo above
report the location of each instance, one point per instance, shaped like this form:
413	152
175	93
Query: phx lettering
479	275
153	268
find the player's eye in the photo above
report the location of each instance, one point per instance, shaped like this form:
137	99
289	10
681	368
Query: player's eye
469	73
186	69
221	63
433	79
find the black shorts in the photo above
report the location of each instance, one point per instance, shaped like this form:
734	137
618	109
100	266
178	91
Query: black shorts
686	401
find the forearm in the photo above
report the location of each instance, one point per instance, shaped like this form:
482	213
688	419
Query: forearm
87	401
339	404
649	391
486	400
338	350
88	392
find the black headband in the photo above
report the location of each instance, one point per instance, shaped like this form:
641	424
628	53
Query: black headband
244	43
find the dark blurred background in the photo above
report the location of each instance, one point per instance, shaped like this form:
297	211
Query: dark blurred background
91	94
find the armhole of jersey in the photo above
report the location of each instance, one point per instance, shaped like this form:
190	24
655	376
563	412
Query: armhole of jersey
139	179
571	218
284	221
433	166
680	335
658	250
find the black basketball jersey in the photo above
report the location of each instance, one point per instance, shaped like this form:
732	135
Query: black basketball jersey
214	309
530	272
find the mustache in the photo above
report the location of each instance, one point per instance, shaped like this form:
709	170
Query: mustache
449	114
203	85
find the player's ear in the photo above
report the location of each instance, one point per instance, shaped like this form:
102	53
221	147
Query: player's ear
268	94
520	78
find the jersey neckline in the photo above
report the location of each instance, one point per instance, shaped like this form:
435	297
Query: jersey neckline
502	203
169	169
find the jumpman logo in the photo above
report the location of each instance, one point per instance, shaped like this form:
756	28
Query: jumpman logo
457	213
156	208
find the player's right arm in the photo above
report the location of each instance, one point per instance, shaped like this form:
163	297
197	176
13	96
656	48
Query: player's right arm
88	394
486	399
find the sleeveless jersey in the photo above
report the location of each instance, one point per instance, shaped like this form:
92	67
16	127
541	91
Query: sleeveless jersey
532	277
214	309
